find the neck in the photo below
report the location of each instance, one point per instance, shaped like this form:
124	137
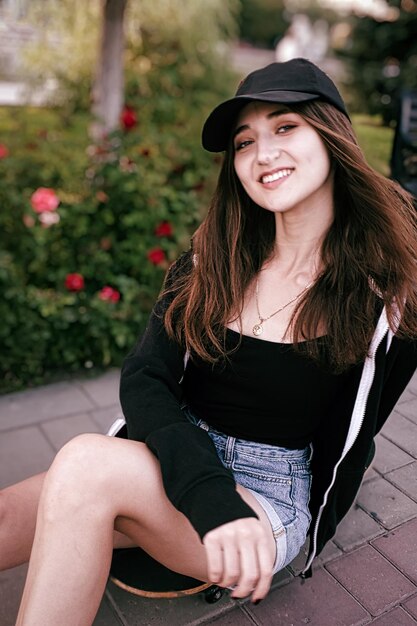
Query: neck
297	247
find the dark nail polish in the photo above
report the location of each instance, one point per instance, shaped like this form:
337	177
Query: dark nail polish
256	602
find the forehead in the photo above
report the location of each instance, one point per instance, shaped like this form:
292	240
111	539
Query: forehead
256	109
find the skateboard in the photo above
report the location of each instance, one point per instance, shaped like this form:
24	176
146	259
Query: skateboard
133	570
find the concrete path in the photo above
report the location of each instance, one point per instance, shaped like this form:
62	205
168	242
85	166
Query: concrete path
368	574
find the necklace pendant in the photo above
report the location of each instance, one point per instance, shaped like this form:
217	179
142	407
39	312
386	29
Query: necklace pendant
257	330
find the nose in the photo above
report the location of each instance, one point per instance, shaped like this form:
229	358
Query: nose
267	151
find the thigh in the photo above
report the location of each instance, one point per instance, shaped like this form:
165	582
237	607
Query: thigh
18	512
127	475
108	479
166	533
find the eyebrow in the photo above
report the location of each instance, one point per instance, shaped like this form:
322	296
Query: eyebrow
271	115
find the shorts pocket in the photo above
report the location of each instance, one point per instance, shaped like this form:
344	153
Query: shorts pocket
271	479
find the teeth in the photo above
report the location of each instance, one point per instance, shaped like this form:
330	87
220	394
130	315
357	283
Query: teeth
270	178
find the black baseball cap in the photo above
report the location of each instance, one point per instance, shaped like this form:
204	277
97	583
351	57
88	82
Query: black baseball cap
297	80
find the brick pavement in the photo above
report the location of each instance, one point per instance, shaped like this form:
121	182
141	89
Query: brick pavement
367	574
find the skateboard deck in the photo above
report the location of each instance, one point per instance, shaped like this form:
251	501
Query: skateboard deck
135	571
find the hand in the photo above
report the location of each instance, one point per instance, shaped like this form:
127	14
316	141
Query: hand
239	555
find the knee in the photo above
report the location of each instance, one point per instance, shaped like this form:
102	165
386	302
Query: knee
77	476
78	456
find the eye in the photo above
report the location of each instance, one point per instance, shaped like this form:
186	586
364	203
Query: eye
285	128
239	145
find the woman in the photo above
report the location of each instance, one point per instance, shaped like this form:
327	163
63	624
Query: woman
284	337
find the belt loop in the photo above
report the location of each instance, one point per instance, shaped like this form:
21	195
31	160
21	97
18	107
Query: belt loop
229	449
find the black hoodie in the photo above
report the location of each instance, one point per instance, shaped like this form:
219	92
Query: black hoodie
194	478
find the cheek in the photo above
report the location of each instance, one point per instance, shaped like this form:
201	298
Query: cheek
319	162
238	167
319	156
326	163
241	171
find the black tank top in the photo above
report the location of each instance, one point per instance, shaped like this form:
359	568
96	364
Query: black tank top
265	391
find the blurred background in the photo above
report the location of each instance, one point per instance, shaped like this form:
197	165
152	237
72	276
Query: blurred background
102	175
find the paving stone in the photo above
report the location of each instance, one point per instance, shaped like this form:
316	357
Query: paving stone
389	456
403	432
399	547
411	606
62	430
104	390
370	474
105	615
137	611
409	409
282	577
397	617
405	478
330	551
406	396
237	617
320	601
371	579
11	587
105	416
37	405
23	452
356	529
385	503
412	385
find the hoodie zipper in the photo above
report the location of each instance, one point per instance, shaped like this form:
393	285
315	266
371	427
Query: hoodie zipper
358	415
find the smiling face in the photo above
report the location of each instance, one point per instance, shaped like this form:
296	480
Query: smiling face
282	162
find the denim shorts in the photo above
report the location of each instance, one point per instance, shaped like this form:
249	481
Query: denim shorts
279	478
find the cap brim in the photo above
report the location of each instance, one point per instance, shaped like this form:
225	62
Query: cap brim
218	126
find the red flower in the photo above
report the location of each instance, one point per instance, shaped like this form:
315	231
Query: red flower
44	199
4	151
164	229
156	256
128	118
102	196
74	282
109	294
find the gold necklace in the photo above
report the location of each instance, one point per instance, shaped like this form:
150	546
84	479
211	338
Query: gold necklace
258	328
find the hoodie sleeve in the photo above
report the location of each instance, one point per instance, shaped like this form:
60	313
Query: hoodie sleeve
151	396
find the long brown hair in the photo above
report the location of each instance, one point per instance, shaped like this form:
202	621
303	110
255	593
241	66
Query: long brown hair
373	238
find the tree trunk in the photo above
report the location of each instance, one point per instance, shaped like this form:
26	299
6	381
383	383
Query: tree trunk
107	94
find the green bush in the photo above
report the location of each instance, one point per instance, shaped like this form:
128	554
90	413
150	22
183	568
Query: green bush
126	210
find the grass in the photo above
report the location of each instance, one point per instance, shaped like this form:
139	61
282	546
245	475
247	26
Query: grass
375	140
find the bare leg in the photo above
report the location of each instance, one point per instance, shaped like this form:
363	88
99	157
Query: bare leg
18	510
95	484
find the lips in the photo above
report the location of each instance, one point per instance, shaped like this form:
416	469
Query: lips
272	177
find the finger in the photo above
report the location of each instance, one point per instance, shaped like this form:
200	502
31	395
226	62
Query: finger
215	566
249	571
266	564
231	564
